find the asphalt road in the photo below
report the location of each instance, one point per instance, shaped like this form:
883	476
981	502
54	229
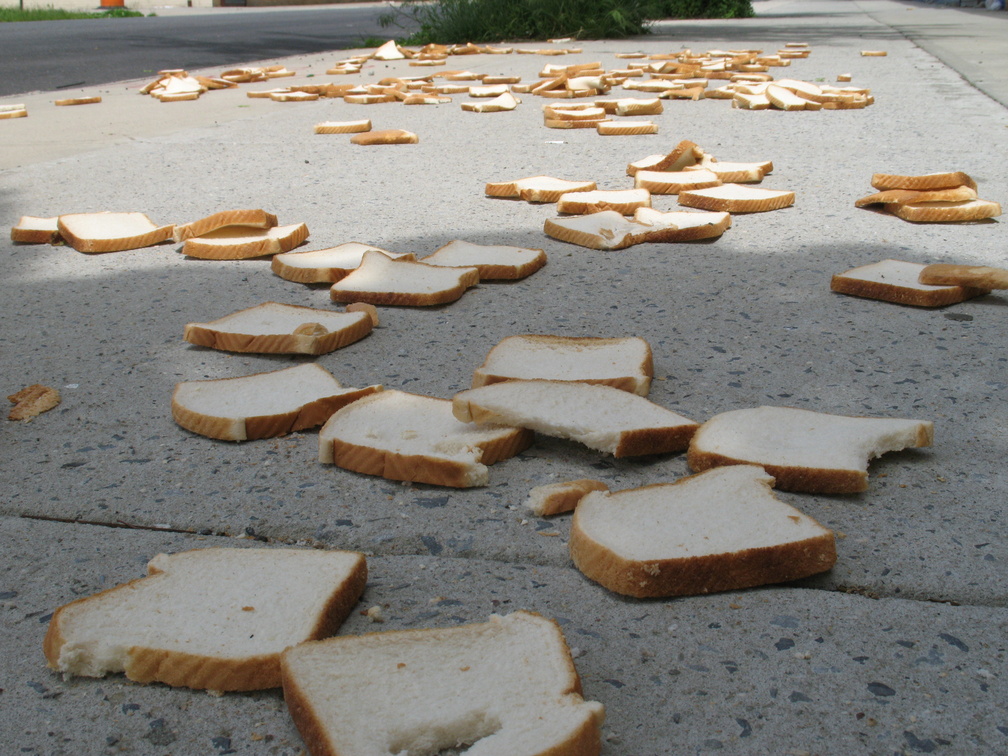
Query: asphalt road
52	55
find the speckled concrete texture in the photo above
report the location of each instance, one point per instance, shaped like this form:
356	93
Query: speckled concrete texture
899	648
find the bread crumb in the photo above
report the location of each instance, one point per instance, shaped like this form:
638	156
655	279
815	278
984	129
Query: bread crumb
375	614
248	608
32	401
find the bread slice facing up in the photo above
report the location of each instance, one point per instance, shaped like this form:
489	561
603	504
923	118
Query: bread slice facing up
556	498
382	280
625	363
803	450
737	198
925	182
898	282
246	218
33	230
946	212
537	188
623	201
262	405
215	619
609	230
244	242
494	262
600	417
111	232
507	686
403	436
326	265
273	328
721	530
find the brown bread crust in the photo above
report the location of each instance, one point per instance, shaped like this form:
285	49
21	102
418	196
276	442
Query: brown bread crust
903	295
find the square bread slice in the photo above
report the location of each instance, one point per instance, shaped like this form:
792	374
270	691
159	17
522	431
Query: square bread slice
111	232
925	182
622	201
33	230
326	265
685	154
673	182
274	328
898	282
609	230
494	262
507	686
946	212
215	619
721	530
382	280
600	417
262	405
623	362
537	188
803	450
736	198
203	226
243	242
403	436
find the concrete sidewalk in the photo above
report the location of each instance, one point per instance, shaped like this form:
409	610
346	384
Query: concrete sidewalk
899	649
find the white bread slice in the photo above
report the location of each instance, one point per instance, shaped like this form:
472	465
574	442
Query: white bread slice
600	417
683	225
980	276
78	101
326	265
215	619
273	328
735	173
624	362
736	198
623	201
946	212
33	230
804	450
557	498
925	182
899	282
626	128
13	110
537	188
721	530
502	103
385	136
262	405
673	182
686	153
383	280
494	262
507	686
111	232
343	127
402	436
785	99
906	196
249	218
608	229
242	242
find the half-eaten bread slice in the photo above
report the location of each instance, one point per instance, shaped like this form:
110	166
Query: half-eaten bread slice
556	498
33	230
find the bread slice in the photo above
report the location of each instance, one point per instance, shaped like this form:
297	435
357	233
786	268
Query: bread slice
623	201
273	328
946	212
385	136
502	103
557	498
494	262
13	110
215	619
682	225
721	530
626	128
111	232
507	686
383	280
403	436
610	230
735	173
326	265
343	127
623	362
905	196
979	276
804	450
77	101
600	417
262	405
926	182
736	198
242	218
686	153
242	242
537	188
32	401
899	282
33	230
673	182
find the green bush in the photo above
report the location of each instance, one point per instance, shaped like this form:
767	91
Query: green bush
703	9
10	14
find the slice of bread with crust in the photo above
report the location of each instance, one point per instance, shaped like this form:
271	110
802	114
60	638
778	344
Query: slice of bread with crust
600	417
215	619
683	225
622	201
905	196
326	265
804	450
721	530
926	182
111	232
274	328
980	276
243	242
537	188
556	498
623	362
735	173
507	686
673	182
383	280
686	153
736	198
609	230
385	136
946	212
494	262
203	226
403	436
899	282
262	405
33	230
343	127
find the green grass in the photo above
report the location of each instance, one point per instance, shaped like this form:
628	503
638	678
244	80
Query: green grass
55	14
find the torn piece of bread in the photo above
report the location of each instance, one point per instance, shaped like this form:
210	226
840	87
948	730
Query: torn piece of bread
203	226
243	242
737	198
32	401
507	686
925	182
33	230
385	136
537	188
721	530
622	201
804	450
215	619
979	276
556	498
946	212
326	265
494	262
262	405
624	362
273	328
111	232
403	436
383	280
899	282
600	417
